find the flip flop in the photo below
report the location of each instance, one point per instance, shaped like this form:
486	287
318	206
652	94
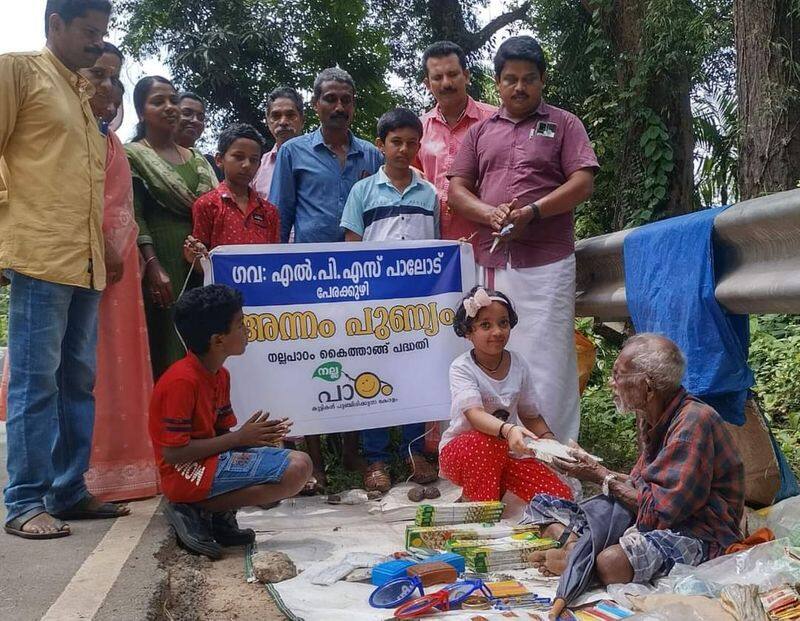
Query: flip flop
81	511
377	478
14	527
422	470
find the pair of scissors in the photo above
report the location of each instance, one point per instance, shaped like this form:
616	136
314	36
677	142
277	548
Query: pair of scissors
504	232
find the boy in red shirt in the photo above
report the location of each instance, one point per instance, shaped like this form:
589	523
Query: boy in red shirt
207	470
233	213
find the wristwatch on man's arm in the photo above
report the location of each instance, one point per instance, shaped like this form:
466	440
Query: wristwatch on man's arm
535	211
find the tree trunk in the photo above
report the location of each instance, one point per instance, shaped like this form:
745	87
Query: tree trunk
668	97
767	83
447	23
672	98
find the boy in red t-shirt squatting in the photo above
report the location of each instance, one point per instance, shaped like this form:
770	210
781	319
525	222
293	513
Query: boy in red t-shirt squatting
207	470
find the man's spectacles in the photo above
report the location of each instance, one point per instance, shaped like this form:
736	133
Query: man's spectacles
617	376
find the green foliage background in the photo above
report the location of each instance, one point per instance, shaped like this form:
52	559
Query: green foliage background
775	360
234	53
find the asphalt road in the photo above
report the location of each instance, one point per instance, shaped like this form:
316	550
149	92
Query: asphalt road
38	578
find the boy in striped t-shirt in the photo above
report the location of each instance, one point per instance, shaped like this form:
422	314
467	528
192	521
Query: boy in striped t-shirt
396	203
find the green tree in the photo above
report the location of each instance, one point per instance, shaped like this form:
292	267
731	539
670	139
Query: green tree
717	157
629	69
233	53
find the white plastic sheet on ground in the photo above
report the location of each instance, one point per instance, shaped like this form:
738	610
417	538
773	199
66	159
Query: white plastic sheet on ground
317	536
783	519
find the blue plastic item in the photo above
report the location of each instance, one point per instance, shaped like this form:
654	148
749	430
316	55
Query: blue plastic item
396	592
451	558
390	570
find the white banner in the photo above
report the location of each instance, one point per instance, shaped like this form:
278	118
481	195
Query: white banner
346	336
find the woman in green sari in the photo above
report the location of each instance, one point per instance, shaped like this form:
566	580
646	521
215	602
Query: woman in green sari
167	178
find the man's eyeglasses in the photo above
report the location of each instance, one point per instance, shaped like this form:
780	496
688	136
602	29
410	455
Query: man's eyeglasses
615	377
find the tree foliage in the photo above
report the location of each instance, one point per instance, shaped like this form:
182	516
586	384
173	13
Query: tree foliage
628	69
653	80
233	53
716	131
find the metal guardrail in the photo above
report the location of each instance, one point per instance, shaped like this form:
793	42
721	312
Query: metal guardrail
757	256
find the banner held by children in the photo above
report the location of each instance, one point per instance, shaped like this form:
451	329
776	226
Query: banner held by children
344	337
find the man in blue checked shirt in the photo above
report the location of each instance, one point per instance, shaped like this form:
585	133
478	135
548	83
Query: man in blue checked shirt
314	172
312	179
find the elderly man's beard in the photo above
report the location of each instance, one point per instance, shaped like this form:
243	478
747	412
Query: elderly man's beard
624	407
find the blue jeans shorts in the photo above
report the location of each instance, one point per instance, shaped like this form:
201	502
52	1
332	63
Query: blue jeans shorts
247	467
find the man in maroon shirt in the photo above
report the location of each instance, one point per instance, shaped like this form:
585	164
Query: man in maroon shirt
529	165
445	126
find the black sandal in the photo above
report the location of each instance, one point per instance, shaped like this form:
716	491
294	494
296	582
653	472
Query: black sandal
81	511
14	527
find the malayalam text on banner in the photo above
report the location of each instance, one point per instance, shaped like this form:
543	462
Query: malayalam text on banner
346	336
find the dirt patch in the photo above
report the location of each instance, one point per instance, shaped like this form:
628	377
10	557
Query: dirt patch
199	589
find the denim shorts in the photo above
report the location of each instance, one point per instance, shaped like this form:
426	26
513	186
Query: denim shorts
247	467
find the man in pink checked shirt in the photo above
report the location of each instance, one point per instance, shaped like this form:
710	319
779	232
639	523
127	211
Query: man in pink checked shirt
285	121
446	125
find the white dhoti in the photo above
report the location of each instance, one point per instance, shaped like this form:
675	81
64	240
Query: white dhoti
544	298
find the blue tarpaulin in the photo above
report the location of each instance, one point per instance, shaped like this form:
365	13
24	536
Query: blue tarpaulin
669	284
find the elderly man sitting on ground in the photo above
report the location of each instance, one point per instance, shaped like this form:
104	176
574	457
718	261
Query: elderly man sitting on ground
686	490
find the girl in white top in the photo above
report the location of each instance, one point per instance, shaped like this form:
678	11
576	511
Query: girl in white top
492	412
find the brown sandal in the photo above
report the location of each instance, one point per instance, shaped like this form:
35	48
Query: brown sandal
15	526
311	488
423	471
376	478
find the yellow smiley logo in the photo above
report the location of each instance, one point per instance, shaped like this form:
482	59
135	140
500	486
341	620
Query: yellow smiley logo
367	385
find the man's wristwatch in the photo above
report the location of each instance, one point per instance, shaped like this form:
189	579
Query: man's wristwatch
536	211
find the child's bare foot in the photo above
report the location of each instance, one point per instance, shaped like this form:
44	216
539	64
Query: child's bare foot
551	562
